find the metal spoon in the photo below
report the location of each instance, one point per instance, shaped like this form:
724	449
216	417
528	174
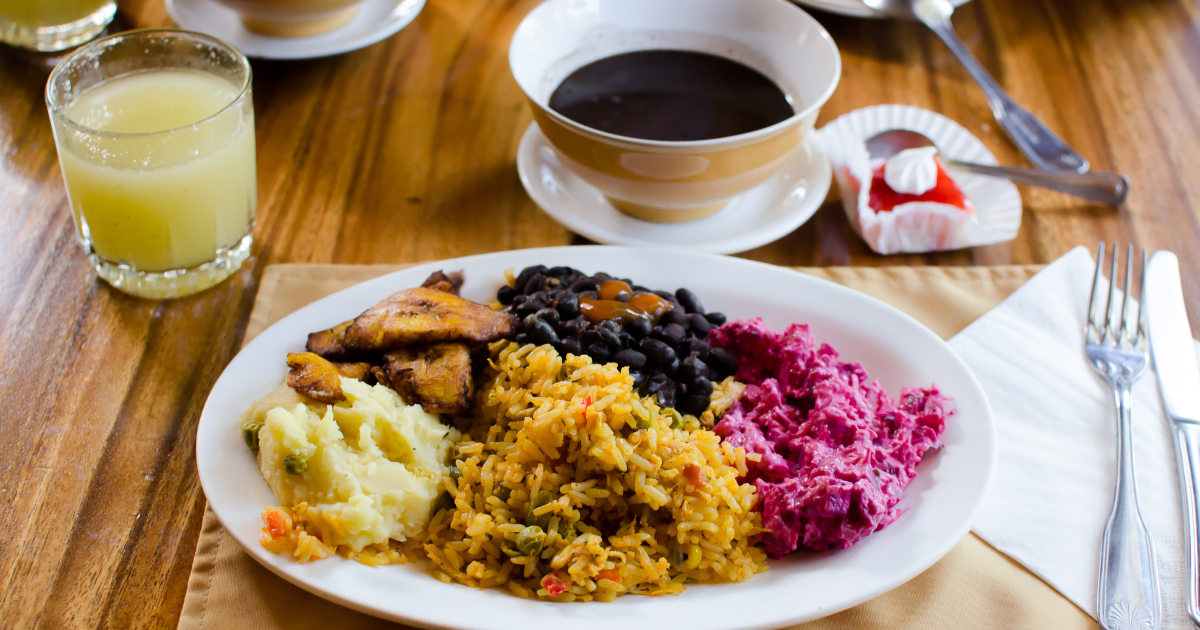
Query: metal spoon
1109	188
1044	149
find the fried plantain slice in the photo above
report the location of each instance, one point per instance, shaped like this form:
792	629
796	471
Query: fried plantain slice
449	282
437	376
422	315
330	344
315	377
360	370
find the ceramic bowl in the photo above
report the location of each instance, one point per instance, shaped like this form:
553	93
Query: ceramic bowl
675	181
293	18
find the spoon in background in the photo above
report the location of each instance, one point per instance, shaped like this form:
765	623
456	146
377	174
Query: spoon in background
1108	188
1043	148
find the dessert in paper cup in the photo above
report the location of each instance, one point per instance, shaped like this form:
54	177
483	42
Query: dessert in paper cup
910	203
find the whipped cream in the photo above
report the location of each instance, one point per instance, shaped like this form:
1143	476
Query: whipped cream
912	171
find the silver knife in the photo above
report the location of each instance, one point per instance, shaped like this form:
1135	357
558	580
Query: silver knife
1179	382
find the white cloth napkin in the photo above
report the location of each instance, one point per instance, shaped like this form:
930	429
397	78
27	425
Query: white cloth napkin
1056	424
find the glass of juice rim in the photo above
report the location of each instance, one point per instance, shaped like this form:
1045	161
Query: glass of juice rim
155	137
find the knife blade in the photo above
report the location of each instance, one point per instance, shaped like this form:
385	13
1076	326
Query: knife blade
1179	383
1171	339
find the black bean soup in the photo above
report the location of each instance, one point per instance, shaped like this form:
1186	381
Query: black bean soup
671	95
660	336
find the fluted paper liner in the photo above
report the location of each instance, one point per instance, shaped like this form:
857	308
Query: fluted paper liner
919	226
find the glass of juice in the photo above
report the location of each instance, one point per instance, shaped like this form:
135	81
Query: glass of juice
51	25
155	136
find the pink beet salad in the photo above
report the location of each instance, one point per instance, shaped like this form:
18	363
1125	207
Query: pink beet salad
836	450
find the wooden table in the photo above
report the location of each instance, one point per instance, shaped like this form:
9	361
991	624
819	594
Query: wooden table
404	151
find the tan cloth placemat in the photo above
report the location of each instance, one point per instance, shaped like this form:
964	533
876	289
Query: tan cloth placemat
974	586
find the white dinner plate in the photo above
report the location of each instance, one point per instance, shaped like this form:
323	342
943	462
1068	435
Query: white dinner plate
763	214
375	21
854	8
940	504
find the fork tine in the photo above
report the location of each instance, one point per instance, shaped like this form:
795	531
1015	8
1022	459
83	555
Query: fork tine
1111	329
1088	328
1141	330
1127	331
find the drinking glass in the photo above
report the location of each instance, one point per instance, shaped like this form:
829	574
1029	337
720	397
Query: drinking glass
51	25
155	136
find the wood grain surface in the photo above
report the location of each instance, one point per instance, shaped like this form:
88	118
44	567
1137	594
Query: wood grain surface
404	151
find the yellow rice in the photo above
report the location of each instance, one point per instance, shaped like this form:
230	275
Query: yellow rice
629	510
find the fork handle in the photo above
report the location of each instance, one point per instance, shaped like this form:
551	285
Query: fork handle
1187	452
1128	591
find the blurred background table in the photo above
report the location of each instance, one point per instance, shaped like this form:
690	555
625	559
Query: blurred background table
404	151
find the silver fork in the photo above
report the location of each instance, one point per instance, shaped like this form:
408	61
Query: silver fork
1127	594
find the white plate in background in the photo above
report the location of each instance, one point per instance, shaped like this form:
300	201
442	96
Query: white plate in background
763	214
939	505
375	21
854	8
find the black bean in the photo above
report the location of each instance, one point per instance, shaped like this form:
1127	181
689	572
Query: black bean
693	404
535	284
693	346
639	327
610	325
599	353
528	323
557	272
723	362
657	382
527	273
543	333
568	305
699	324
526	308
673	334
673	316
666	397
638	377
689	301
591	336
584	284
571	328
548	315
610	339
657	351
505	294
667	295
571	346
627	340
521	338
518	298
634	359
715	318
554	283
601	277
637	288
701	385
671	369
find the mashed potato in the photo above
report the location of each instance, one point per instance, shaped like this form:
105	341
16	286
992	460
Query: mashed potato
367	468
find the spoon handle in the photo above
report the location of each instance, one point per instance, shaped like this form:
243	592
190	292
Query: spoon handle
1044	149
1107	188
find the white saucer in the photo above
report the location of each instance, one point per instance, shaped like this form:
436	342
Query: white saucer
855	8
375	21
761	215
